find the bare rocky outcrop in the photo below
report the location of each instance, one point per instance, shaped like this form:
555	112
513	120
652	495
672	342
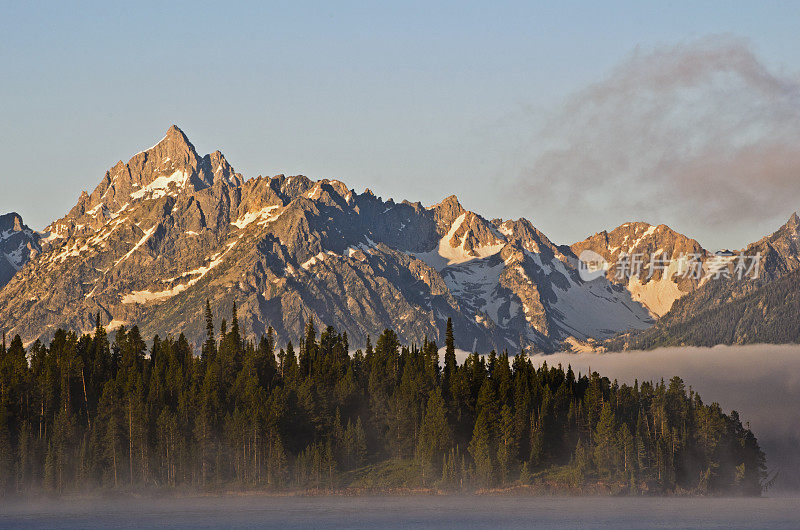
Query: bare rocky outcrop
18	245
654	283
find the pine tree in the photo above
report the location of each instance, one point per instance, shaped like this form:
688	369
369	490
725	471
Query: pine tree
359	445
435	437
480	447
540	427
582	462
291	369
448	375
237	339
6	460
210	345
605	450
626	447
506	447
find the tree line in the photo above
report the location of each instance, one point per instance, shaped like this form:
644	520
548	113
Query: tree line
84	413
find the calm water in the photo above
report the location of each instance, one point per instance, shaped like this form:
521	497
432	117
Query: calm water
404	512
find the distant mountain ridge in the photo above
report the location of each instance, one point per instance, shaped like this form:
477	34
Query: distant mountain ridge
18	245
764	310
169	229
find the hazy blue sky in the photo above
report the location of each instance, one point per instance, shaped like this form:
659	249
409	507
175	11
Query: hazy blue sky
413	100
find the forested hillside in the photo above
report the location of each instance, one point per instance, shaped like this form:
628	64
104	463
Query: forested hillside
726	313
82	414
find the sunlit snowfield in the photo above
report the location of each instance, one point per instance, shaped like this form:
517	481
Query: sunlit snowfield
404	512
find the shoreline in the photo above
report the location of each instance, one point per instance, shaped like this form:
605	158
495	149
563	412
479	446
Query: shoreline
520	491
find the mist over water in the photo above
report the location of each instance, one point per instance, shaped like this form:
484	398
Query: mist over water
408	511
760	382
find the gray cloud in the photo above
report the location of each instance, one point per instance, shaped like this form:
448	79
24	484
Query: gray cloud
700	135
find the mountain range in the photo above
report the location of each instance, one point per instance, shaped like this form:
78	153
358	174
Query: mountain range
170	229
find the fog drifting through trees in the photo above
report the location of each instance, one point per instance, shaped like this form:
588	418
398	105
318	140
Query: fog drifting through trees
761	382
83	413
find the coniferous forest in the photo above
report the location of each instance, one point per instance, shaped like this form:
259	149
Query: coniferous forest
85	414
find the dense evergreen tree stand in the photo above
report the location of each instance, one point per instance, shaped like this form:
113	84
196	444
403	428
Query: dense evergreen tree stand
81	414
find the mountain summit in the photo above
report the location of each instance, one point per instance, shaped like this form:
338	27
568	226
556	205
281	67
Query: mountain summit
170	229
657	289
172	167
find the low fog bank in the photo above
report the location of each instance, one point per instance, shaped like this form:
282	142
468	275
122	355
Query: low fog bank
393	511
761	382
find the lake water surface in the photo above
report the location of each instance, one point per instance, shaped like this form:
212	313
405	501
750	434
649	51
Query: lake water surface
406	512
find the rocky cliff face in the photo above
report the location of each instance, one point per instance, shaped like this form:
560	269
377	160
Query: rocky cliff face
780	251
660	288
732	310
169	229
659	279
18	245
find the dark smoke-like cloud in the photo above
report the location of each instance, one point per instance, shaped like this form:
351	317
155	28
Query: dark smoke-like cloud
700	135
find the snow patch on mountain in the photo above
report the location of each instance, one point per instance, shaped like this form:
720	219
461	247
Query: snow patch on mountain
96	209
316	259
578	346
656	295
145	237
161	185
143	297
115	325
594	309
476	284
48	237
649	232
445	255
264	214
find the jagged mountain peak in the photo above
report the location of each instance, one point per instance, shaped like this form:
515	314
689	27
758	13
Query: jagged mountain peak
450	200
18	244
638	237
785	234
525	235
169	229
450	205
447	212
174	143
793	222
11	221
780	251
658	288
169	168
175	134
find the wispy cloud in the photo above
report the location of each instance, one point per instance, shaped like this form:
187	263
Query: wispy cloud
701	135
